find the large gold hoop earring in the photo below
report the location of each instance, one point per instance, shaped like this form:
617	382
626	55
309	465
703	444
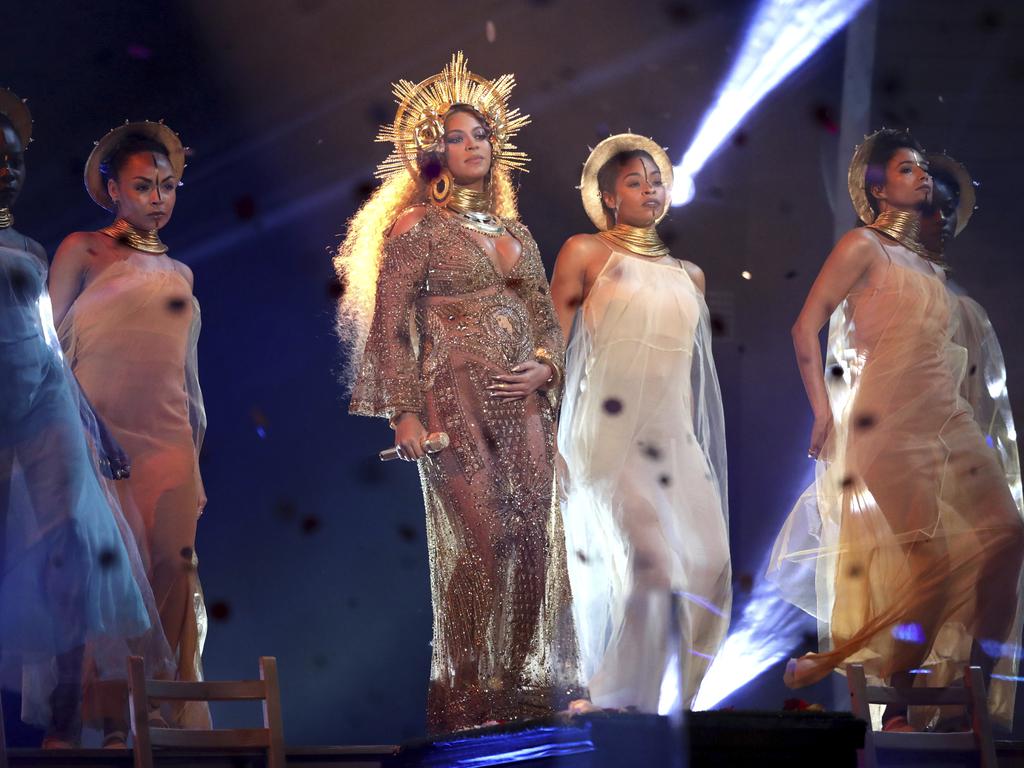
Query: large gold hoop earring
441	188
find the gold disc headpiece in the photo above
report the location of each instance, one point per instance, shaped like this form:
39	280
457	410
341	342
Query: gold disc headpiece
605	151
18	113
422	107
959	172
857	178
94	182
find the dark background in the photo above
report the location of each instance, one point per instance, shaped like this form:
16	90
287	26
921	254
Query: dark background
311	550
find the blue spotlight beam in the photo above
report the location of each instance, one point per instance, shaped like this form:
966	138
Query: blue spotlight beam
766	633
782	35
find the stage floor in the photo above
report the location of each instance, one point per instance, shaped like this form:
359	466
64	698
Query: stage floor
715	740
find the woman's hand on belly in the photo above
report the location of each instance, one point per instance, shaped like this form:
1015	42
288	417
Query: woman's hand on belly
525	379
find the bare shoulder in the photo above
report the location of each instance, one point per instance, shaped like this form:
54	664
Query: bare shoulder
78	248
859	248
858	240
696	274
583	247
184	270
408	219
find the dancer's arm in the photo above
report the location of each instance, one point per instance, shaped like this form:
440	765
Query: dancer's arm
569	281
67	273
845	269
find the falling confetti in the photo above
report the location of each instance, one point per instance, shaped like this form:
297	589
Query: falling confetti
864	421
219	610
490	31
176	305
335	288
825	117
245	207
652	452
108	558
612	406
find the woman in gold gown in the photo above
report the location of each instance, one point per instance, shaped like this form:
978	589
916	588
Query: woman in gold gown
449	319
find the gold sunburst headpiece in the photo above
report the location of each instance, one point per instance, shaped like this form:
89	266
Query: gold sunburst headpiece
422	107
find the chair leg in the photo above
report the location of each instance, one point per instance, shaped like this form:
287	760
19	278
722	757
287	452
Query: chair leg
142	748
981	721
272	720
857	683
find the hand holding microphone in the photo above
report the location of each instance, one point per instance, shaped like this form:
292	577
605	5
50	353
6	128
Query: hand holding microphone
412	441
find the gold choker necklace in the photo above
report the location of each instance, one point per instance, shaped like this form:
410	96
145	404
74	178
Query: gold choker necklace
905	229
6	218
643	241
473	211
147	241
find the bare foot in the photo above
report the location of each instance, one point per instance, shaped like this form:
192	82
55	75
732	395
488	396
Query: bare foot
897	724
115	740
583	707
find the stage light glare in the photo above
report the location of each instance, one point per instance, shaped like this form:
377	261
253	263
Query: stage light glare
767	631
683	188
745	274
782	35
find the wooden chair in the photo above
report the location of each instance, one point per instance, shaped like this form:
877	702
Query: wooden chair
972	696
141	691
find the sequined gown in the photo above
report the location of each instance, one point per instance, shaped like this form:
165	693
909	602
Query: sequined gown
504	645
909	545
645	498
130	338
67	578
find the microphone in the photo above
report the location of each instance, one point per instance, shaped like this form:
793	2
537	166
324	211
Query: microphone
432	443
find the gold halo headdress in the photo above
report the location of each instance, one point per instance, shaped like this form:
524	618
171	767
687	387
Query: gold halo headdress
16	110
857	181
958	171
422	107
94	182
857	176
605	151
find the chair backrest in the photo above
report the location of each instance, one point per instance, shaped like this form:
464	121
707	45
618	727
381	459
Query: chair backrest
972	696
141	691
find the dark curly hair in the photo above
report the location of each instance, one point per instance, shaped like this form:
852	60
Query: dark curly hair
129	145
887	143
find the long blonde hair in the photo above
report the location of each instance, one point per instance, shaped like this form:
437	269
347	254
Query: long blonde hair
358	258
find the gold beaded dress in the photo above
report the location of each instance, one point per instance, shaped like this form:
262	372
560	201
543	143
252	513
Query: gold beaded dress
446	321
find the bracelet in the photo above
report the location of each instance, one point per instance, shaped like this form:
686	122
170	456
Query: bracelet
393	421
541	355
